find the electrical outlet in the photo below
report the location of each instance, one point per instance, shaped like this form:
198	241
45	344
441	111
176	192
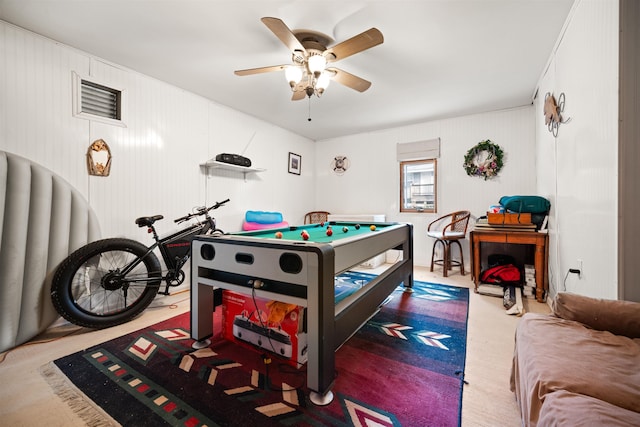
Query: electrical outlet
578	269
579	263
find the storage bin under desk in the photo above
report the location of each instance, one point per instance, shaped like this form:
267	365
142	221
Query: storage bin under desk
539	240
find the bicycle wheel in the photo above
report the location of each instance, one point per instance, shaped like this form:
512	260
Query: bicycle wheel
89	288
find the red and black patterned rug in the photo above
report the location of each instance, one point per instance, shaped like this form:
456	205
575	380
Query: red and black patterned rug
404	367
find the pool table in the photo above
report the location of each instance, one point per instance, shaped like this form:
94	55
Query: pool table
291	269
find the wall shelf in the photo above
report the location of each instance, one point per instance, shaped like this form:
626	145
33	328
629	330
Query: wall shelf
213	164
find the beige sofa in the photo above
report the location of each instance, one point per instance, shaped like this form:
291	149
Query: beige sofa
579	366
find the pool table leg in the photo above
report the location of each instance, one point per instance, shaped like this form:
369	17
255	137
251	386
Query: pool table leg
321	399
321	326
201	310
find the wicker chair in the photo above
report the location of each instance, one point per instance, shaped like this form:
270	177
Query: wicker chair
316	216
448	229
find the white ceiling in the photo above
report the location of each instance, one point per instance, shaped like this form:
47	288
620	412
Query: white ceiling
440	58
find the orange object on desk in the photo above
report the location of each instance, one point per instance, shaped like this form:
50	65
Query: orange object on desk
509	218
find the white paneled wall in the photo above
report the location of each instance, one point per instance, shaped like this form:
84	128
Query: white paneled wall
372	184
272	190
169	132
577	170
35	107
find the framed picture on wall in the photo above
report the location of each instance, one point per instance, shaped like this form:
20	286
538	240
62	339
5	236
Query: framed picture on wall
295	163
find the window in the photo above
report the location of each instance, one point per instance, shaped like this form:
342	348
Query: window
418	189
97	101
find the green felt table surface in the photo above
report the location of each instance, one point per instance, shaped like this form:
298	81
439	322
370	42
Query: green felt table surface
317	232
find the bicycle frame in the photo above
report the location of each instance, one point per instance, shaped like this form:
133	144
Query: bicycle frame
175	249
110	281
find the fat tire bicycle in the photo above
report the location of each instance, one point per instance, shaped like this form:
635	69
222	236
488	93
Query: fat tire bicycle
111	281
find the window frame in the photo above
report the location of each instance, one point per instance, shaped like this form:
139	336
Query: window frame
403	209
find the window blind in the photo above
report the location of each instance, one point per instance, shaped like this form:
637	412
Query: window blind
427	149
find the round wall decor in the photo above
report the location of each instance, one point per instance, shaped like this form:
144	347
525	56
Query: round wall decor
484	160
340	164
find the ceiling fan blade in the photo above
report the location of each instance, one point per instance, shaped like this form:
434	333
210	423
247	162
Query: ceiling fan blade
286	36
297	96
260	70
363	41
349	80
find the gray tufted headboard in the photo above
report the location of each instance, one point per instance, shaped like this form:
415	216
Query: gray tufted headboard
42	220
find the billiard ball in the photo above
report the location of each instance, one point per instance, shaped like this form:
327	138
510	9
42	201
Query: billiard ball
322	224
305	235
278	235
329	231
373	227
357	226
345	229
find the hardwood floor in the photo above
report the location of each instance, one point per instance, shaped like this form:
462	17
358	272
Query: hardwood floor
26	399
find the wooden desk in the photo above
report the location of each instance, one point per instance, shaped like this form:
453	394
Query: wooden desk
540	240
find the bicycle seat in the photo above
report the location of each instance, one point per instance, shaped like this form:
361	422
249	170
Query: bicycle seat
147	221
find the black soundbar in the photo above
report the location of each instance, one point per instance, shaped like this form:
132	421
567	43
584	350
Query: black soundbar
234	159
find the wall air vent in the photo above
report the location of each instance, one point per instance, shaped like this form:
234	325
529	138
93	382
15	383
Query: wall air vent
94	100
100	100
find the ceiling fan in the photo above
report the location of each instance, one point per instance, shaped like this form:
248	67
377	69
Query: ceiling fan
309	73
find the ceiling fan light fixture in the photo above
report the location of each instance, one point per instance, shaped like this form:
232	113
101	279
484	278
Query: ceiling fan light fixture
308	73
316	64
323	81
293	74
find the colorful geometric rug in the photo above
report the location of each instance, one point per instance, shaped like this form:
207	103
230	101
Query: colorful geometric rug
405	367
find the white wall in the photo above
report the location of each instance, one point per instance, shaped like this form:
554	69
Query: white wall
578	170
156	157
170	132
372	184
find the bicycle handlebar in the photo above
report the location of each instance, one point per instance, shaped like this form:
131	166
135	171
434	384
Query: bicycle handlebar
201	211
218	204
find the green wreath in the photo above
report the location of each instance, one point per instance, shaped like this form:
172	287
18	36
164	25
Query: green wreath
484	160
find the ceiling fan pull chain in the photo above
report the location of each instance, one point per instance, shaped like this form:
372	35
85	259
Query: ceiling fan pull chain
309	118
